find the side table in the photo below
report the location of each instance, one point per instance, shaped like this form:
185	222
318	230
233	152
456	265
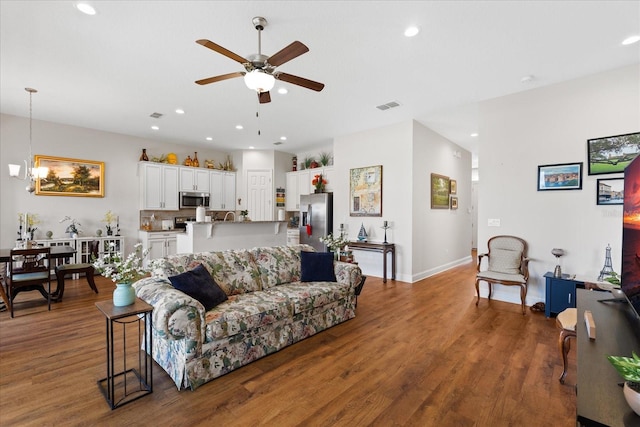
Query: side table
560	293
132	383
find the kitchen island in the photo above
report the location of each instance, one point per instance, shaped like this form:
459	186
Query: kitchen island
223	235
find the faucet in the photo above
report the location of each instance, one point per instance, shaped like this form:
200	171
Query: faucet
227	214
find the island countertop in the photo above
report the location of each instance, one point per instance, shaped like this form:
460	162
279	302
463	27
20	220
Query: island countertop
221	235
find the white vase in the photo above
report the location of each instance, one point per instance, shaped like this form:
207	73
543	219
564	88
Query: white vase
632	397
124	294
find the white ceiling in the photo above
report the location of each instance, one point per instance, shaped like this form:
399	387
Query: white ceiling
133	58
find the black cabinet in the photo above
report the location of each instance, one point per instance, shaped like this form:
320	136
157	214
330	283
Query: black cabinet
560	293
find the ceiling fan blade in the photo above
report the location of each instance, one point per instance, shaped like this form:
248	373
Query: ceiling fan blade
288	53
217	48
309	84
264	97
220	78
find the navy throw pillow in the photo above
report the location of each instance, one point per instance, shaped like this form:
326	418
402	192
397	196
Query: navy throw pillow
199	284
316	267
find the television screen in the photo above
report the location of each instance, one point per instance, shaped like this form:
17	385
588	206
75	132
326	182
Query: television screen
630	281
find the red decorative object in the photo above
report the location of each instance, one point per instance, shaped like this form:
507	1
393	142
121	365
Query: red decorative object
319	183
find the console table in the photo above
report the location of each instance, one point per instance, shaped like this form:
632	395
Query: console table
599	397
384	248
132	383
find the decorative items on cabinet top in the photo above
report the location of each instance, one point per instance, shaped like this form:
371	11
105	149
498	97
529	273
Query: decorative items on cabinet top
172	159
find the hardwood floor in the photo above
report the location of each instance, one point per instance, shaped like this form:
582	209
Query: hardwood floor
417	354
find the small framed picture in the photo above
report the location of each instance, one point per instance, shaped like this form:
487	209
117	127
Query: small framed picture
453	186
610	191
562	176
454	202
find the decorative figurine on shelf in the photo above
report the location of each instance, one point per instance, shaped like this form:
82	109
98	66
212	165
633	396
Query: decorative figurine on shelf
49	234
187	161
195	163
294	167
607	270
143	156
558	270
362	234
385	226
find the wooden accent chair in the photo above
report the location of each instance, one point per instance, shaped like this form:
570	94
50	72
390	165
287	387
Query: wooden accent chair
508	265
29	270
64	270
566	321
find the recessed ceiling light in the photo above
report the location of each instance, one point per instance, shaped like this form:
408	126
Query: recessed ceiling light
239	127
86	8
631	40
473	135
251	147
179	111
283	138
527	79
411	31
209	138
283	91
155	128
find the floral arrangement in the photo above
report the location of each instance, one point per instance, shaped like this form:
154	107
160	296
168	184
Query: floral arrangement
73	227
334	243
30	221
319	182
109	218
120	269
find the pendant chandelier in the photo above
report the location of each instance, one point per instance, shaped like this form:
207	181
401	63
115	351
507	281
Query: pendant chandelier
31	173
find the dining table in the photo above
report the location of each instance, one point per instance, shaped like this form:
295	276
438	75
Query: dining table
58	253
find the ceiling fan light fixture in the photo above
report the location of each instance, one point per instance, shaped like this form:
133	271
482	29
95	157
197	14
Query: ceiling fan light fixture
259	81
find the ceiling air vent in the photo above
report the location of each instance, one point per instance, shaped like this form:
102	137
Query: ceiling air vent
277	143
387	106
156	115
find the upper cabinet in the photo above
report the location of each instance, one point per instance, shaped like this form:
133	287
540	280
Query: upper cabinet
223	190
299	183
159	185
194	179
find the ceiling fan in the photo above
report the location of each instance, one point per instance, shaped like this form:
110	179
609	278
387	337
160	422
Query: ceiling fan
260	74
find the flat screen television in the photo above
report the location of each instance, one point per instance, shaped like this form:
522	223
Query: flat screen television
630	277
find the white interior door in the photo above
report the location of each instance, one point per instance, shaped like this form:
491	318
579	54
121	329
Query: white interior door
260	195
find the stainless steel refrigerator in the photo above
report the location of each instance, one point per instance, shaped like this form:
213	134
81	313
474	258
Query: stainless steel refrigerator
316	219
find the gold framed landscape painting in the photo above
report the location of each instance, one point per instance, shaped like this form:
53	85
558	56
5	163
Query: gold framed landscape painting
440	186
70	177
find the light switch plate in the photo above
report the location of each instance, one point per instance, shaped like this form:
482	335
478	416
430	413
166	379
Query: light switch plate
493	222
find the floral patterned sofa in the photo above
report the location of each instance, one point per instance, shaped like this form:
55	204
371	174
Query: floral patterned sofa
267	309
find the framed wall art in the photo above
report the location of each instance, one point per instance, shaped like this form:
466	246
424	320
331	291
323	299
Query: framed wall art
440	186
365	191
70	177
612	154
454	202
453	186
563	176
610	191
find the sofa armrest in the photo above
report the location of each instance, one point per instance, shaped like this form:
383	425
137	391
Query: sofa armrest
347	273
175	314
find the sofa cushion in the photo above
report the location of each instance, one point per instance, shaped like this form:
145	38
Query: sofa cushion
199	284
307	296
242	313
316	267
276	266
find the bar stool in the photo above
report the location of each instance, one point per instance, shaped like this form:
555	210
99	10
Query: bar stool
64	270
566	321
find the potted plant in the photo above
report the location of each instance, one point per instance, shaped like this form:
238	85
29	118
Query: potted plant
123	271
324	158
109	218
629	369
244	215
335	243
72	228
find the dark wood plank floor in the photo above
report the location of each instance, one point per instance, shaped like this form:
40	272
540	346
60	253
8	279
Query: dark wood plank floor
417	354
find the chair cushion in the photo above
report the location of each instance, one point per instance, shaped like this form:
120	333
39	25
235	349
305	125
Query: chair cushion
505	261
317	267
568	319
69	267
199	284
500	277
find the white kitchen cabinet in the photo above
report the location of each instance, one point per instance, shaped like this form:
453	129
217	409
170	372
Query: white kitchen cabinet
292	195
195	179
158	186
327	173
223	191
159	243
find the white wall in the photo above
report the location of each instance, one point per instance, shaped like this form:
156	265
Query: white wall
551	125
120	153
427	241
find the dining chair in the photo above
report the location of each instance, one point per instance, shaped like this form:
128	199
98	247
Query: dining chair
508	265
29	270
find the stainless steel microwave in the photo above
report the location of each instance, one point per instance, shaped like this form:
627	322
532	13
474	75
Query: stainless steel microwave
193	200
